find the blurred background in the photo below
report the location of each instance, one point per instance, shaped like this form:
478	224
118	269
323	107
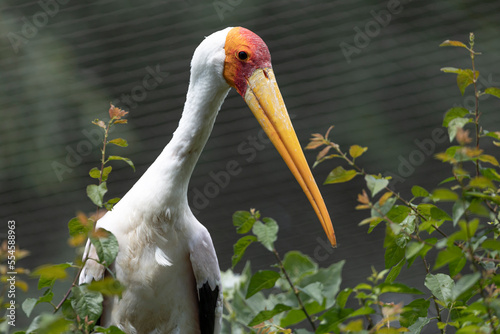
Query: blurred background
371	68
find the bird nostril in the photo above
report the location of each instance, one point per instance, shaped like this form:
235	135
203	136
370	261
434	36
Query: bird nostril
265	74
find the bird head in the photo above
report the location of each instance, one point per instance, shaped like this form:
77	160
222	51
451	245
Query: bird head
247	68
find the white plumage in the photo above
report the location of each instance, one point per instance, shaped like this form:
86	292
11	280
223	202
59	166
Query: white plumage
165	253
166	258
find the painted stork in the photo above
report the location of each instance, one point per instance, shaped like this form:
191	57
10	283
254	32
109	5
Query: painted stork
166	258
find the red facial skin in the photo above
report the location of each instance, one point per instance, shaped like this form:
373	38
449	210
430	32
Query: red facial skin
236	70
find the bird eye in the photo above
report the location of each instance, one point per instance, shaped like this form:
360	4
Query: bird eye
242	55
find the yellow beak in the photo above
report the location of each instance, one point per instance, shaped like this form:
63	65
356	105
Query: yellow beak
264	99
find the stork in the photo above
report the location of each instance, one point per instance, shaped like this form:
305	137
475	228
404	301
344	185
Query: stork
166	257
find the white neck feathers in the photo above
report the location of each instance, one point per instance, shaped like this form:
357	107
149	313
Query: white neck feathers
165	183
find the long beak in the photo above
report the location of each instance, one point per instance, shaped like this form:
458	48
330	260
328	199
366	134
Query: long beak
264	99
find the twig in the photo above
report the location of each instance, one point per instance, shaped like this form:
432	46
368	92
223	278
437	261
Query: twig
66	295
295	290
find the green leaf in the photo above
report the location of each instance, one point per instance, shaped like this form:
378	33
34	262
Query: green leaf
413	249
297	315
331	278
455	124
397	288
95	173
375	185
87	303
332	318
49	273
451	114
343	296
379	211
413	311
47	323
417	327
106	246
298	265
356	151
111	203
109	330
127	160
491	244
67	310
118	142
441	286
438	214
76	227
398	213
458	210
490	173
339	175
418	191
244	221
452	43
489	159
240	247
314	290
47	297
393	254
444	195
374	221
96	193
266	315
108	286
451	70
263	279
105	172
28	305
266	232
457	266
465	78
450	254
493	91
394	273
464	284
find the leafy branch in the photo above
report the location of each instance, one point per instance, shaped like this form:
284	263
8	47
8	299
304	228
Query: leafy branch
81	305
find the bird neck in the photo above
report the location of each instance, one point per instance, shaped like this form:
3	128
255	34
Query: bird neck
176	163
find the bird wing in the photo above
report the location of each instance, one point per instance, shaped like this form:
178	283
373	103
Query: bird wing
92	269
207	275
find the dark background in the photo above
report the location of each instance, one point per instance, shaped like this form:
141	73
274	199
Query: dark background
389	95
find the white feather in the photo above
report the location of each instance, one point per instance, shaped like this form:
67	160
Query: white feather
156	231
162	258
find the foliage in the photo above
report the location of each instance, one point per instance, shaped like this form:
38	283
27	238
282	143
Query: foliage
81	306
464	297
295	295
